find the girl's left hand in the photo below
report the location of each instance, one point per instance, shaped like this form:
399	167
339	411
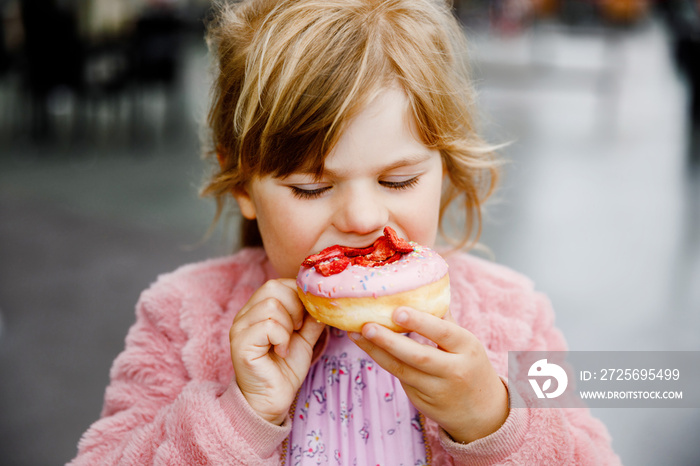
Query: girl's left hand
454	384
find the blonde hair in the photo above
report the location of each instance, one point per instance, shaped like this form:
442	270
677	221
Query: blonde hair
292	74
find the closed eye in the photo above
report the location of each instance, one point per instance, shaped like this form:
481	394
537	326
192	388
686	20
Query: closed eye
308	193
399	185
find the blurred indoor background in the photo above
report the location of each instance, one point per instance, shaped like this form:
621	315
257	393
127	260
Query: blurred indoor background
101	104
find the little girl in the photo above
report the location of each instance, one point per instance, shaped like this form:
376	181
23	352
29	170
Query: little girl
332	119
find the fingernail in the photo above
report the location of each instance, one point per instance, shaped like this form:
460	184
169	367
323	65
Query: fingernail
353	335
369	331
401	317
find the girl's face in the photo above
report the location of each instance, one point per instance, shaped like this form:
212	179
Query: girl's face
378	174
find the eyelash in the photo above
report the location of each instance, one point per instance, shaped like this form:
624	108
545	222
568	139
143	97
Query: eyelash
314	193
308	193
400	185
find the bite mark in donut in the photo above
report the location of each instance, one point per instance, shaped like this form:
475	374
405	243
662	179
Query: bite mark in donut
347	287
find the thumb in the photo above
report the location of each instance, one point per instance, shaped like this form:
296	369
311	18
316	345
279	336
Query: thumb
311	330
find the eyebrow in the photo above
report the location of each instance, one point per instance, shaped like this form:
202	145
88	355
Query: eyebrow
410	160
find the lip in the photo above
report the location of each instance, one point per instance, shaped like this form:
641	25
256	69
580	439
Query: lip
369	241
337	245
349	246
357	247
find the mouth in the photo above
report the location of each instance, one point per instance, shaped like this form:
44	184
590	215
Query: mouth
363	242
385	249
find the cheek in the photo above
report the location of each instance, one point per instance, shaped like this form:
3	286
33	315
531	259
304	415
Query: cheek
278	224
289	230
425	231
426	202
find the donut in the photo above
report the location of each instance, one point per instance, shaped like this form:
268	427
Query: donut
349	287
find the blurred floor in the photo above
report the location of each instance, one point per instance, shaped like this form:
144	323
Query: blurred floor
599	206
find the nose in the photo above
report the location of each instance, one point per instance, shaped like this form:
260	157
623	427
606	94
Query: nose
362	211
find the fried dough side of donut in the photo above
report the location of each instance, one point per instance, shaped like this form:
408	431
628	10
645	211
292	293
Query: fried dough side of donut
352	313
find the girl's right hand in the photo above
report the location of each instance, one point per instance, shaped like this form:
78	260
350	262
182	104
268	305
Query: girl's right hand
272	341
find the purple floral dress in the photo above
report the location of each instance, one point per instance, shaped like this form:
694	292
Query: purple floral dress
350	411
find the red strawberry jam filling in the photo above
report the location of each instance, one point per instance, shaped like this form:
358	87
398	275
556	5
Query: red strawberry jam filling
385	250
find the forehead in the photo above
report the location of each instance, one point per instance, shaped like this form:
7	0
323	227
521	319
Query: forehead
381	136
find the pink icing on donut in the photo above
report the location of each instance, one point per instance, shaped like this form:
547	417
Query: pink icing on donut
415	269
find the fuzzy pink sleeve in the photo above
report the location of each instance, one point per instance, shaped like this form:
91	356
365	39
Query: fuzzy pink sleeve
538	436
159	410
502	309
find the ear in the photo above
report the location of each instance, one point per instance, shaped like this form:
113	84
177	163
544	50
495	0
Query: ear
245	202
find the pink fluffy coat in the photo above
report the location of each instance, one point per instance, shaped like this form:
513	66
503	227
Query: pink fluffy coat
173	399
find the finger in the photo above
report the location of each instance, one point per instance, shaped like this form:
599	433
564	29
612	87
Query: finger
405	373
448	317
290	300
255	341
284	291
305	339
425	358
268	308
271	333
311	330
448	335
